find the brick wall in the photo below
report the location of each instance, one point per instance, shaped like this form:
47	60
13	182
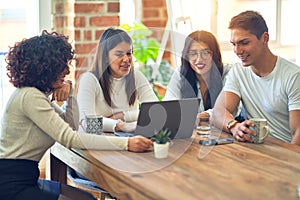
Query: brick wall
154	13
91	19
86	20
63	21
155	16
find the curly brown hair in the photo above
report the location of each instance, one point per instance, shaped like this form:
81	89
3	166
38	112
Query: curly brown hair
38	61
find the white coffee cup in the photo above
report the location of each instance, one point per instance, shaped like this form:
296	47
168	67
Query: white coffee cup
261	129
92	124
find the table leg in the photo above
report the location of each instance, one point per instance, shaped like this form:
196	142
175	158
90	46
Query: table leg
58	170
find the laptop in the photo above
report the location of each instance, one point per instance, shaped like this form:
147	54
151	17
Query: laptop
179	116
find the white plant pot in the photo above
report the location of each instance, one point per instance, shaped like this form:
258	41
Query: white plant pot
161	150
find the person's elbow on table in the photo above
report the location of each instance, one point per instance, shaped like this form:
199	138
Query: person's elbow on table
296	138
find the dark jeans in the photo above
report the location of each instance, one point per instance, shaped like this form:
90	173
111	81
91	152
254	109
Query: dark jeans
19	180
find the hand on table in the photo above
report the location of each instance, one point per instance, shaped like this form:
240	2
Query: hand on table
241	131
139	144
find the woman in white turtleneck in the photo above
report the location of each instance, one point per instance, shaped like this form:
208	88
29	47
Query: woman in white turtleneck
113	88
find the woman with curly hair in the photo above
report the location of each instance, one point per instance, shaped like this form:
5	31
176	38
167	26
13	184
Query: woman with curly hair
32	122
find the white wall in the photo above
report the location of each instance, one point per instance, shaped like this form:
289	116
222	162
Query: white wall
45	15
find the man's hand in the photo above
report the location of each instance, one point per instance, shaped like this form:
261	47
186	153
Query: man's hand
241	131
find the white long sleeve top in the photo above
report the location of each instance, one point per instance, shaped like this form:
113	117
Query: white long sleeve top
91	99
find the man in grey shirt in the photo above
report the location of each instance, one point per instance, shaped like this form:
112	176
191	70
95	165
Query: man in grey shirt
267	85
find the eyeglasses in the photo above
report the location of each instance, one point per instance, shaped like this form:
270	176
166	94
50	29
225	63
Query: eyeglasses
204	54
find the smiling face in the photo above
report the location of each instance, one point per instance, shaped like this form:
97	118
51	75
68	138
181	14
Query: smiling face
200	58
120	59
247	47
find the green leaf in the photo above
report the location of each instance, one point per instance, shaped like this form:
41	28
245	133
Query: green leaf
145	47
162	137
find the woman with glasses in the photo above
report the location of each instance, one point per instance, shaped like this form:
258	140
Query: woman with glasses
201	73
113	88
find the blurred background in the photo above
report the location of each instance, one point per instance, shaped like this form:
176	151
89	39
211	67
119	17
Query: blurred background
158	28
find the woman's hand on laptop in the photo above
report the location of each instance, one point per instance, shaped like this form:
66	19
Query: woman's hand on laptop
139	144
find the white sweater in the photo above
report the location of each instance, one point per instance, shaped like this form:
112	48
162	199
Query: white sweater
91	99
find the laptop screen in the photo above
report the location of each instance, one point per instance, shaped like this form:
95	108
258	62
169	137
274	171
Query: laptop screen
179	116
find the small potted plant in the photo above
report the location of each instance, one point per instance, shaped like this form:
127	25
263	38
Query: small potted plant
161	143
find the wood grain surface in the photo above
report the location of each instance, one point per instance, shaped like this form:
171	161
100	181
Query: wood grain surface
233	171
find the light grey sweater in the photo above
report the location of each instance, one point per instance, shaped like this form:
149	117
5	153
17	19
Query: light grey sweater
31	124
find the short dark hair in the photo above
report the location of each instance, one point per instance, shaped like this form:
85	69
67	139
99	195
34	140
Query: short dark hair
251	21
38	61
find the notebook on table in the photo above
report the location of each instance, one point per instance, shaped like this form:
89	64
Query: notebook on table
179	116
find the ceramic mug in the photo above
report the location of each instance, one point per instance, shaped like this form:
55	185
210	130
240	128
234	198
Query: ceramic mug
261	129
92	124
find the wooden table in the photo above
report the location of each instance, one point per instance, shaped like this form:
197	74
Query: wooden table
233	171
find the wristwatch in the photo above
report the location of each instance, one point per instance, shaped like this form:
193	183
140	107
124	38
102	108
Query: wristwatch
231	124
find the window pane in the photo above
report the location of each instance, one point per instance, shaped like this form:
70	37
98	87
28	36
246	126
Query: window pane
290	30
229	8
18	19
186	17
127	11
20	14
190	15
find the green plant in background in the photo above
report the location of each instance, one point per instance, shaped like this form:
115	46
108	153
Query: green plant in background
145	47
145	51
162	137
165	73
